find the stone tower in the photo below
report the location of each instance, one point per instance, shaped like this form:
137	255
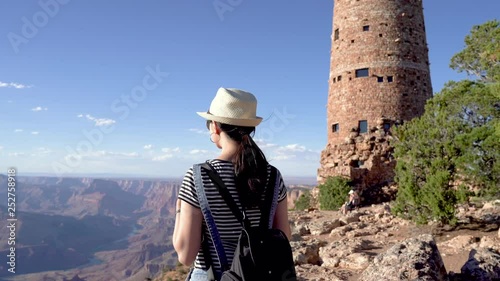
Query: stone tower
379	78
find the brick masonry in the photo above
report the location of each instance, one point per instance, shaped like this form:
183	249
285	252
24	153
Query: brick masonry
379	76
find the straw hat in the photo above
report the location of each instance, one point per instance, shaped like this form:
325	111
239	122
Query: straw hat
233	107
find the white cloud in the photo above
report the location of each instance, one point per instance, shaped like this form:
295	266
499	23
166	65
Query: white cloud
1	147
43	150
98	121
148	146
17	154
18	130
299	153
167	153
291	148
263	144
13	85
199	131
163	157
284	157
198	151
170	150
35	133
39	108
103	154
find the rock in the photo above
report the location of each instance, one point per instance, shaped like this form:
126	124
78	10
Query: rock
459	243
302	229
323	227
306	252
346	253
413	259
483	265
350	218
490	243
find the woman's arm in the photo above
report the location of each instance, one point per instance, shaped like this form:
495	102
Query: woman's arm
187	232
281	219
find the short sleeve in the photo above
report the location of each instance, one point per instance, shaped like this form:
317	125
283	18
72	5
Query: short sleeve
187	192
283	190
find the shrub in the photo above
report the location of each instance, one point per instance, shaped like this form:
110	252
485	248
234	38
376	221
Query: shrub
304	201
333	193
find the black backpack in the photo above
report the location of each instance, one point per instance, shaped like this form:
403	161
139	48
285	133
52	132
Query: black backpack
262	253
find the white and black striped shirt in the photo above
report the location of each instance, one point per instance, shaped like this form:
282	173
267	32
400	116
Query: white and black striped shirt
227	225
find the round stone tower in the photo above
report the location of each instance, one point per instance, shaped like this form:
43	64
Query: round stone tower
379	78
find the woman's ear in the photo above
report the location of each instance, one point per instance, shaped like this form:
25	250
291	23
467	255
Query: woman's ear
216	127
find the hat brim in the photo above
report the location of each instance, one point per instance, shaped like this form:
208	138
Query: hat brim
232	121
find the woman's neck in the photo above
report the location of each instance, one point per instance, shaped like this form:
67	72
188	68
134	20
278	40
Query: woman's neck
229	150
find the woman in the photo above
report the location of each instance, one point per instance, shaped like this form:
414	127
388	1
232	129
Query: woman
245	171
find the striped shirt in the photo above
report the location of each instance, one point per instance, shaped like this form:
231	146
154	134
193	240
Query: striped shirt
227	225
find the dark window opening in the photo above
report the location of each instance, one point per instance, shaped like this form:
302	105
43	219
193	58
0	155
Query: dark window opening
425	84
335	164
418	77
335	128
389	79
363	126
334	79
339	78
380	79
336	34
380	35
366	28
387	127
352	41
363	72
405	95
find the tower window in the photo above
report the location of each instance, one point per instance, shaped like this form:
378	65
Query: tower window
387	126
389	79
339	78
334	79
363	126
380	35
335	128
363	72
366	28
380	79
336	35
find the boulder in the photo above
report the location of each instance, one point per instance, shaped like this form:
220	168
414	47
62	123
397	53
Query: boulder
413	259
483	265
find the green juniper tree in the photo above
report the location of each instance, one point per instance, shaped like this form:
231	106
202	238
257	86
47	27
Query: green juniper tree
454	147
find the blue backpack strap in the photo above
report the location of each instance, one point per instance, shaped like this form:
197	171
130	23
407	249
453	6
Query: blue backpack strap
274	204
207	215
276	190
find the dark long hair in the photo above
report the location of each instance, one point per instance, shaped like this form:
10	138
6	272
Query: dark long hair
250	164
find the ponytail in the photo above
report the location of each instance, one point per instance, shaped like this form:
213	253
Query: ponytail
250	164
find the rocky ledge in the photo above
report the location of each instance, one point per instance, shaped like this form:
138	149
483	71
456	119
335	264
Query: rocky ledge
372	244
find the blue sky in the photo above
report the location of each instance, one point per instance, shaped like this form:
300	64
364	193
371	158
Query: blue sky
113	86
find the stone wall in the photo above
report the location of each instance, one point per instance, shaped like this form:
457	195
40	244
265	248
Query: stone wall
366	159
